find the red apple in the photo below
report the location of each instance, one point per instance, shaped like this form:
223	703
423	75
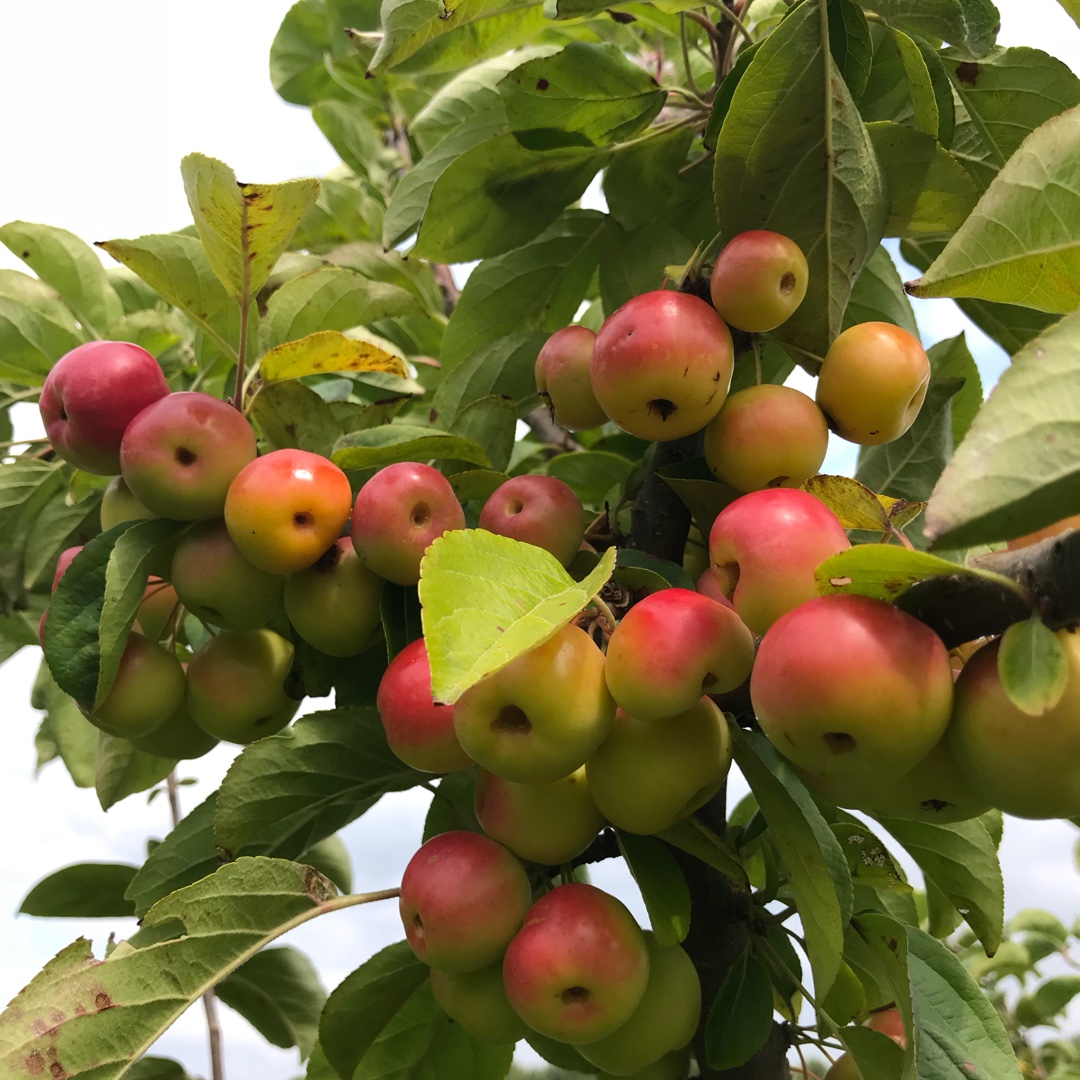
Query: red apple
285	509
91	395
63	561
418	730
578	968
758	280
765	547
538	510
463	897
562	376
662	364
398	513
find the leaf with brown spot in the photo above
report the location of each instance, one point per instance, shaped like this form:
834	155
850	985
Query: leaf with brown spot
327	350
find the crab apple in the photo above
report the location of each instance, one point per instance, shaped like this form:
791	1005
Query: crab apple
1027	766
544	823
179	738
934	790
766	436
156	610
562	376
672	1066
650	774
765	547
236	688
286	508
707	585
398	513
1056	529
334	604
665	1020
578	968
463	897
662	364
889	1022
538	510
852	688
872	383
149	688
758	280
218	585
477	1001
707	649
91	395
180	454
118	505
418	729
63	561
542	715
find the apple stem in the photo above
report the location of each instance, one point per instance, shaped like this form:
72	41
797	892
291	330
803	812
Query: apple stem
755	345
686	56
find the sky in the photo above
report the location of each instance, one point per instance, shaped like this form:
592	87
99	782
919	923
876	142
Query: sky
101	102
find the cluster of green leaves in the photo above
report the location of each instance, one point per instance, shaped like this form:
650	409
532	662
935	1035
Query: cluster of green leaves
470	132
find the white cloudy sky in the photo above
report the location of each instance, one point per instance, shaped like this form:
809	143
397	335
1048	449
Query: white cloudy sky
101	102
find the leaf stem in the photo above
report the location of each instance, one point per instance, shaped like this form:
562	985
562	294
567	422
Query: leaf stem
685	40
609	615
245	308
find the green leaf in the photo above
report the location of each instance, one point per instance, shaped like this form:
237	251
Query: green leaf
1032	666
327	351
741	1015
900	87
285	783
82	891
452	806
853	503
1001	100
635	261
1049	1000
818	874
636	569
76	738
952	359
279	993
29	292
122	770
156	1068
365	1002
499	195
662	885
490	423
878	296
487	599
290	414
876	1055
850	44
375	447
175	266
30	342
591	473
929	190
867	857
537	287
1019	463
778	138
244	228
593	90
332	299
1021	245
113	1011
697	839
71	267
331	858
962	861
971	25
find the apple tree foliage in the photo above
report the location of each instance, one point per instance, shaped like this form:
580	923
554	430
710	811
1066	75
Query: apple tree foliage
469	132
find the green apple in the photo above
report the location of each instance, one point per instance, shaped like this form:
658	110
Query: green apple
149	688
118	504
179	737
477	1001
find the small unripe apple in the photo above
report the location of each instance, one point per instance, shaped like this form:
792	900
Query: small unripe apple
334	604
1025	765
236	688
119	505
90	396
180	455
398	513
218	585
707	650
665	1020
418	730
542	715
872	383
766	436
537	510
849	688
477	1001
463	897
562	376
765	547
579	966
649	774
149	688
543	823
758	280
286	508
157	608
661	365
179	738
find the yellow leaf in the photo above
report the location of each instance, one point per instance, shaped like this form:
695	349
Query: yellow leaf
326	351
